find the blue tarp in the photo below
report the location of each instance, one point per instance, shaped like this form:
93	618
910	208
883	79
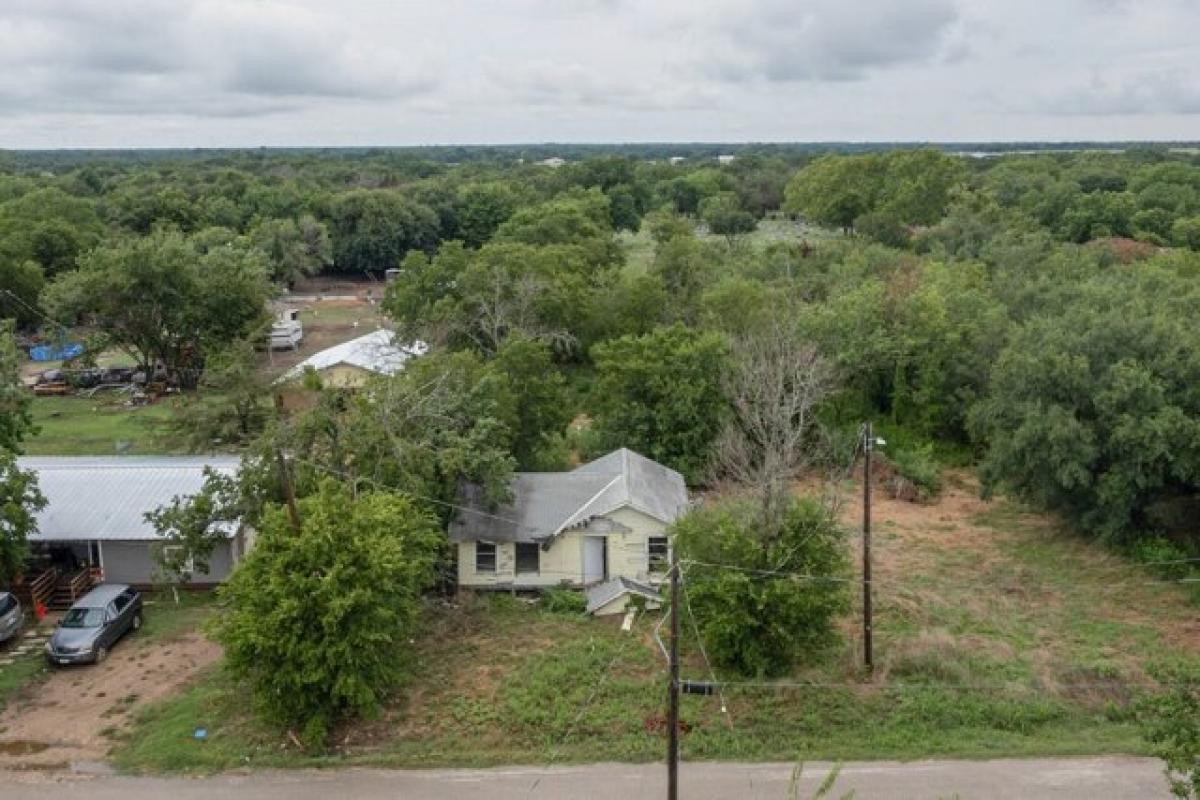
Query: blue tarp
55	352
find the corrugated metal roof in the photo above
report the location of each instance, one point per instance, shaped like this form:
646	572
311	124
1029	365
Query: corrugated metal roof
547	503
107	497
377	352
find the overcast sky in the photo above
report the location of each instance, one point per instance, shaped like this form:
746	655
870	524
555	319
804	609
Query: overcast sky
201	73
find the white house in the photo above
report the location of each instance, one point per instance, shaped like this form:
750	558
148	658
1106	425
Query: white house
347	365
94	520
602	520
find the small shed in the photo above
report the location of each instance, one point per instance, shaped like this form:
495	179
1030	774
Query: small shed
612	597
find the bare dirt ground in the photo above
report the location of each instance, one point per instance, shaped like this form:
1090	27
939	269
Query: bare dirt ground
68	718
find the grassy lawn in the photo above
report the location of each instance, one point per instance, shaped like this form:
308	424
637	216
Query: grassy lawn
100	426
165	619
25	670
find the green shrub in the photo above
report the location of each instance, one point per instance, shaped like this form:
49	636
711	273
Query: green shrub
761	624
917	468
1172	726
316	616
564	601
1163	556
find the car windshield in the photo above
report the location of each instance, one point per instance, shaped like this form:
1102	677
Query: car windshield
83	618
7	603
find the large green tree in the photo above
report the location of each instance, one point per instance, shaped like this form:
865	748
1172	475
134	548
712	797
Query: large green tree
373	229
19	495
752	615
660	394
835	190
1093	409
163	301
317	617
296	248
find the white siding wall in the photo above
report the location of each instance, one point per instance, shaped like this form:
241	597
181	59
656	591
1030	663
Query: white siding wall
628	554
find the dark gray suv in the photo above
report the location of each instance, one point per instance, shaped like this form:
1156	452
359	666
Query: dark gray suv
93	625
11	616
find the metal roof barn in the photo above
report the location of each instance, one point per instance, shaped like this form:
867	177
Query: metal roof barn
376	352
106	498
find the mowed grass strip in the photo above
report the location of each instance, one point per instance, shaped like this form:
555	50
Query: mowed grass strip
102	425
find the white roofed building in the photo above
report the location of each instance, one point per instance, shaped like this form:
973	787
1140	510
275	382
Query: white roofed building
95	514
348	364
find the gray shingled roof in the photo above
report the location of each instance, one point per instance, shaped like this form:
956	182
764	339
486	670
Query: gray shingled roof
107	497
546	504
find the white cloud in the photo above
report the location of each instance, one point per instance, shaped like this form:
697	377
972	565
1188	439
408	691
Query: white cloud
1168	91
251	72
828	40
194	57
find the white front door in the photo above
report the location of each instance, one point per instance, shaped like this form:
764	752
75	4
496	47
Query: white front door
594	566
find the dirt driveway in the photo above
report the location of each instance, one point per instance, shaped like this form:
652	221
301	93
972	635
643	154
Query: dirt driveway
67	719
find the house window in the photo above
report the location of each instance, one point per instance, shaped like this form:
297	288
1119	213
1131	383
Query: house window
659	555
528	558
172	554
485	556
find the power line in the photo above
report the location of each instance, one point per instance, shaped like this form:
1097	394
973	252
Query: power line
446	503
803	576
37	311
949	686
687	599
779	573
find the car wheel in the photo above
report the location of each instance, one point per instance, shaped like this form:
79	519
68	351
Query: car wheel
137	622
101	654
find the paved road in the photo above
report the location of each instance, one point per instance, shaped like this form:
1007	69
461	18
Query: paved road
1062	779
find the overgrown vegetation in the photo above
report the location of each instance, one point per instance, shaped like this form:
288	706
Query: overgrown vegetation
1044	663
1173	727
755	614
19	495
318	613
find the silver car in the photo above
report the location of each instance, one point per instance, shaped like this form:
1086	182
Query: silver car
12	616
94	624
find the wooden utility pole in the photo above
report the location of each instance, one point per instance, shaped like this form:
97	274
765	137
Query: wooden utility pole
868	445
673	693
289	491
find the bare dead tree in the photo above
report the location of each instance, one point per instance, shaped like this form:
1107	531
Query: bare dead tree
506	304
774	388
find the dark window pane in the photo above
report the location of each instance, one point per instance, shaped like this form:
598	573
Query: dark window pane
658	553
528	558
485	557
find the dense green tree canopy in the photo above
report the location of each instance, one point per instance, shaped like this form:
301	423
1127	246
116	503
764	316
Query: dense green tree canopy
316	618
163	301
373	229
1094	410
660	394
749	621
19	496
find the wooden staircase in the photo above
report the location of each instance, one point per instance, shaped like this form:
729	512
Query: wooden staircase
70	587
37	588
